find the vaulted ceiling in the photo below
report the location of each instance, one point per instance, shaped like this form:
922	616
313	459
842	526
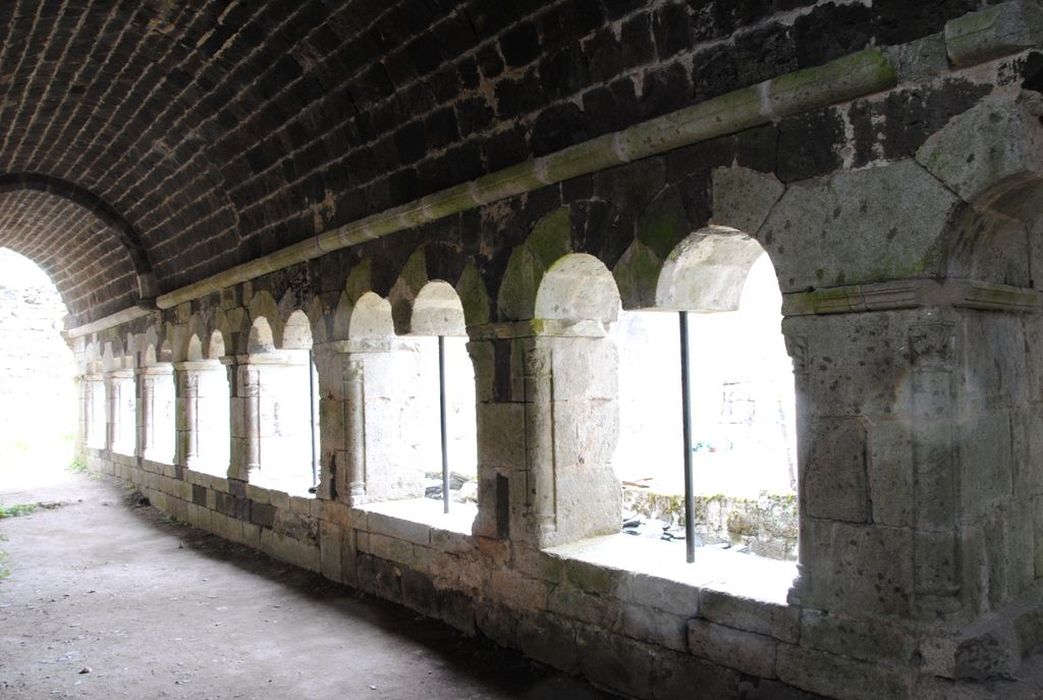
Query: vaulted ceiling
145	145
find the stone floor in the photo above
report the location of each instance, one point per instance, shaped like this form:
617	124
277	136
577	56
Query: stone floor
106	598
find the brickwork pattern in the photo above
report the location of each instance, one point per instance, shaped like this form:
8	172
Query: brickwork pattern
224	132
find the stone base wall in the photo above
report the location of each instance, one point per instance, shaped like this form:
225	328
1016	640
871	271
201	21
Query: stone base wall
639	635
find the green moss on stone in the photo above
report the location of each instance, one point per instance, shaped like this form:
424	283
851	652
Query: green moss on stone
360	280
551	237
516	299
637	275
664	223
473	295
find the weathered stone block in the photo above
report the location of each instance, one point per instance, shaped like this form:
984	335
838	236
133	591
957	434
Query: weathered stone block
390	548
262	514
937	559
600	611
683	675
621	663
891	472
419	593
845	215
839	676
517	591
331	551
652	626
770	619
681	599
407	530
742	198
501	434
867	639
985	462
834	484
843	557
744	651
995	31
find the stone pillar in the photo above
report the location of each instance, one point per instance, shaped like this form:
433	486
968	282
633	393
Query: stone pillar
94	398
81	416
187	417
547	426
122	409
538	471
245	385
355	428
146	411
341	418
918	448
797	348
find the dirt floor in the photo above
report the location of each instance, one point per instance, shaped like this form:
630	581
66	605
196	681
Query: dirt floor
105	598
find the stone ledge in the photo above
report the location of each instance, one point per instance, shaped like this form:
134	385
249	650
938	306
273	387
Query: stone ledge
913	294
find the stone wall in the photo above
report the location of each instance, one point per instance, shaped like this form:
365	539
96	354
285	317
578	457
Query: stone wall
182	141
898	217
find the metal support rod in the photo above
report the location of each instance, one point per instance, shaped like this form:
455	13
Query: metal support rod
311	412
445	437
686	431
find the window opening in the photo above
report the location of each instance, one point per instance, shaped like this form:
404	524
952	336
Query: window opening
733	441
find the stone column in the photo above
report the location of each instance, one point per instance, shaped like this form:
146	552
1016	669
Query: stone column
539	469
94	394
245	385
547	425
146	408
123	433
914	427
354	472
188	378
340	420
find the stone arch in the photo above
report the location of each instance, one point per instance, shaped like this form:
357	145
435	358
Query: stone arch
403	293
194	329
261	339
706	272
999	237
297	334
194	349
128	237
437	310
572	392
215	346
577	287
371	318
150	343
549	240
320	319
91	357
266	325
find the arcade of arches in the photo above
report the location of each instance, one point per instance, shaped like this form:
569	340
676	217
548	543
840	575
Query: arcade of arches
316	256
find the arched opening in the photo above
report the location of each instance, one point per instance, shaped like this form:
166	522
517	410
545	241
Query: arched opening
158	398
571	404
123	421
287	393
37	390
741	420
205	414
442	401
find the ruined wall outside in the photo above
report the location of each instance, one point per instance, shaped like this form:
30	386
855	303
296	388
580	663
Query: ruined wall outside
37	372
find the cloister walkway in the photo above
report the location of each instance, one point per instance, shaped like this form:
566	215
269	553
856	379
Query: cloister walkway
106	598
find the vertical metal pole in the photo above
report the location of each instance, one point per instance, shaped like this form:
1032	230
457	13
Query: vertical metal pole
686	431
311	412
445	437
